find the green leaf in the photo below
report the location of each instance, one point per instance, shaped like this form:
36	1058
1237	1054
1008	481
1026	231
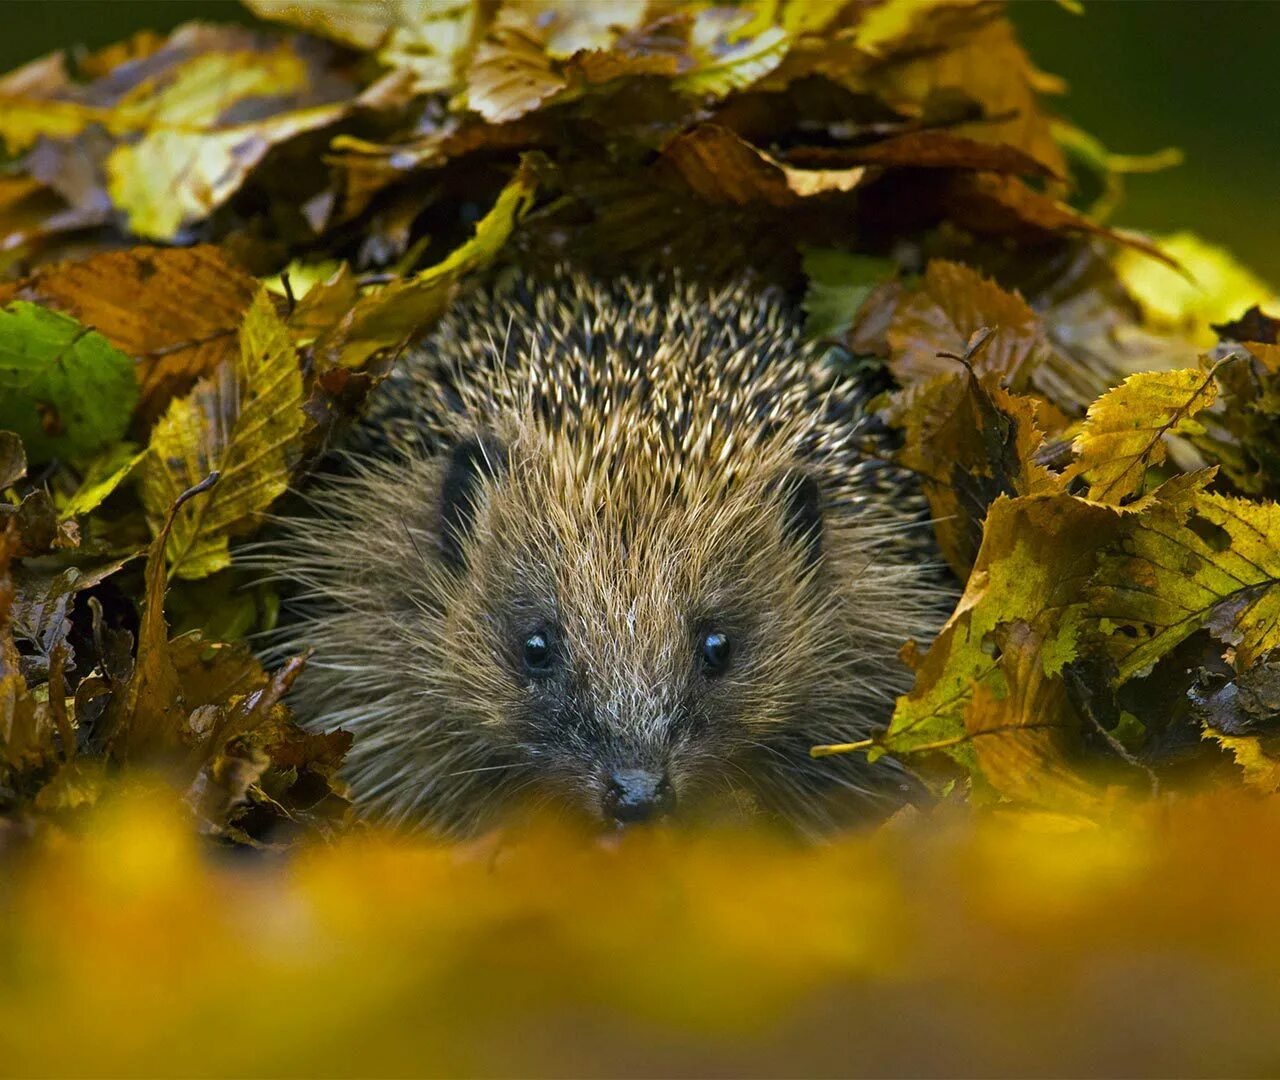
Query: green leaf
839	282
989	692
63	387
105	473
245	423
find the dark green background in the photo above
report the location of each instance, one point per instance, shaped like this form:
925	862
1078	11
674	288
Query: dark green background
1200	74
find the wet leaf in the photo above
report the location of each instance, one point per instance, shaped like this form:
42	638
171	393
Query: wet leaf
245	423
64	388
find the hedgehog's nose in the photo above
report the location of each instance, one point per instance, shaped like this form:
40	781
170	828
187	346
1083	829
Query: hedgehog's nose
635	795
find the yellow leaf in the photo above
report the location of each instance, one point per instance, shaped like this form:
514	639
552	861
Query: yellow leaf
171	177
723	69
1190	561
989	691
244	422
391	316
200	90
1261	770
1219	289
103	476
1125	431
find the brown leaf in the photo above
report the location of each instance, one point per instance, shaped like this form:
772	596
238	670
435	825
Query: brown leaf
145	716
969	444
511	75
986	202
720	166
929	149
13	459
1253	326
953	303
175	310
990	67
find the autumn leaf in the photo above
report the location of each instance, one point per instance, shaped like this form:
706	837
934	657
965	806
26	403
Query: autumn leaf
721	166
952	304
185	129
386	319
13	459
1212	287
1195	560
103	476
171	178
988	692
969	444
1125	431
726	62
63	387
975	57
245	423
510	75
1259	763
175	311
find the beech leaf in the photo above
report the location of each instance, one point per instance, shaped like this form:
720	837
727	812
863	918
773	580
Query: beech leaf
244	422
1124	433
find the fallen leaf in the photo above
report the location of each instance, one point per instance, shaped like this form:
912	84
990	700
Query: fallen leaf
993	675
1213	289
721	166
13	459
1125	431
64	388
1196	560
839	284
244	422
174	310
953	303
387	318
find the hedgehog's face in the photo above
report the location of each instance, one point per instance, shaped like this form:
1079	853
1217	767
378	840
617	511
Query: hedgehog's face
633	653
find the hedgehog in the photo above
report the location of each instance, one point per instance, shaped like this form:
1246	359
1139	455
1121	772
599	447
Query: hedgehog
628	548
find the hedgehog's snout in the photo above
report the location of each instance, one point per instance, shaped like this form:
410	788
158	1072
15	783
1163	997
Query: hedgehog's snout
632	796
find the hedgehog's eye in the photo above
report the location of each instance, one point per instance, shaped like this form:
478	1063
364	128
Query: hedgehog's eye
537	653
713	653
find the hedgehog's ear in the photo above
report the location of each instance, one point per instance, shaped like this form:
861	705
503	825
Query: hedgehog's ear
801	499
468	464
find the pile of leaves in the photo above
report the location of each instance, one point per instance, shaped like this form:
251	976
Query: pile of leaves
215	244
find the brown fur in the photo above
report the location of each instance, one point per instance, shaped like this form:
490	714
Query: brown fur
644	444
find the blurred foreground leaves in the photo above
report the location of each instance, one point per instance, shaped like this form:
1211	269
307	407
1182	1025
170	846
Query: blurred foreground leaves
1013	944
